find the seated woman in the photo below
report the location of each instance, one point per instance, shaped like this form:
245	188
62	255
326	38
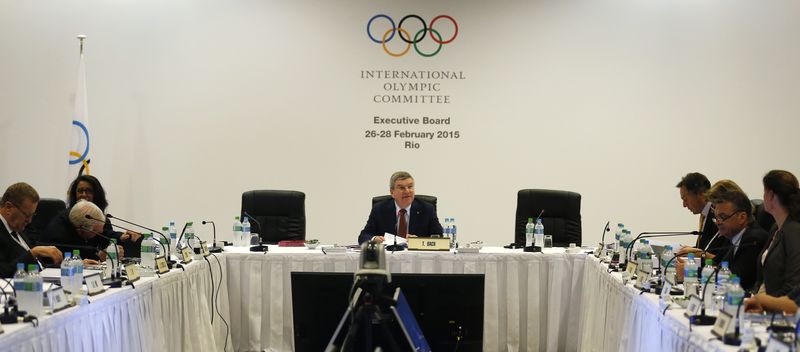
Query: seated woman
779	262
87	187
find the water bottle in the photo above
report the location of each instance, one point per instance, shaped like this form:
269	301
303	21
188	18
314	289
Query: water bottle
647	258
668	269
447	230
67	272
171	246
193	241
453	233
112	264
245	231
77	284
707	280
627	239
721	288
173	238
618	237
149	252
35	284
748	338
690	276
538	234
237	232
529	228
19	286
734	296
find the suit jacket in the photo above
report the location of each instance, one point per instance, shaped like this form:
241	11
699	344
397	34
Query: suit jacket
743	262
709	230
780	272
382	219
12	253
62	231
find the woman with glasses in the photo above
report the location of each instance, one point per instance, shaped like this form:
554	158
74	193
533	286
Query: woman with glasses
779	262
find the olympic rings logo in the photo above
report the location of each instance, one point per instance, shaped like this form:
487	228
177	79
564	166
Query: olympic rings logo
407	38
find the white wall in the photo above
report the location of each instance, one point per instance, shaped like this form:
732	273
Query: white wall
193	102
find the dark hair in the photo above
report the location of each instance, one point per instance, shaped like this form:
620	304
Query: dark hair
786	188
740	201
99	198
18	193
695	182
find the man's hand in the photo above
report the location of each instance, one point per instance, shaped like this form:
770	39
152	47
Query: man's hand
130	236
378	239
48	252
90	262
686	250
753	305
121	251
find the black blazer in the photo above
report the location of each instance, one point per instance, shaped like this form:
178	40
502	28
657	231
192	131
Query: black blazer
743	263
780	272
422	221
62	232
12	253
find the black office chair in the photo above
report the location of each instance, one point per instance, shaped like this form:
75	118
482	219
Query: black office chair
47	209
763	219
427	199
281	213
561	218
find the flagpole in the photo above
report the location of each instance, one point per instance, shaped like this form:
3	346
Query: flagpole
81	37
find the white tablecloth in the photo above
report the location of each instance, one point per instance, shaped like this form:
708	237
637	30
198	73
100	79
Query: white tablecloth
171	313
532	300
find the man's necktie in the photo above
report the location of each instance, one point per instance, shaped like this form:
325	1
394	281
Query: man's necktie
402	227
14	234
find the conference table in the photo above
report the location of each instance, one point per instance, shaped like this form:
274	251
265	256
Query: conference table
241	301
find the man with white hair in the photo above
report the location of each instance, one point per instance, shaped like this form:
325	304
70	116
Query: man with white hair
78	228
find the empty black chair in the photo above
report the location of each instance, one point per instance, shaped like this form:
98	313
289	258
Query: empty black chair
763	219
561	218
427	199
279	215
47	209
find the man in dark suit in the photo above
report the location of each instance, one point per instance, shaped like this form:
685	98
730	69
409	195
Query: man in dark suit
692	189
402	215
72	229
734	217
17	208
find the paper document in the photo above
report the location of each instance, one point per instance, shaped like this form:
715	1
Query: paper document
388	239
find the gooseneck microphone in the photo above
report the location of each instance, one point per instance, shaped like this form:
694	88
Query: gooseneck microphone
213	248
602	250
255	221
169	261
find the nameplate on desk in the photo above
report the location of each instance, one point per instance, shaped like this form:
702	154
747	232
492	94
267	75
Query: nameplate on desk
58	299
778	345
722	324
132	270
204	249
161	265
693	307
428	244
665	291
631	268
94	284
186	253
642	277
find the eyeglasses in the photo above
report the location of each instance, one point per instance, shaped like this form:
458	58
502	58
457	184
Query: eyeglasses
27	215
720	218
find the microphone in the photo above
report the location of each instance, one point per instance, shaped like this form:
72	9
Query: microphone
169	262
602	250
213	248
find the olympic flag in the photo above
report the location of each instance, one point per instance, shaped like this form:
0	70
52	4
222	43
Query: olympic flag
79	157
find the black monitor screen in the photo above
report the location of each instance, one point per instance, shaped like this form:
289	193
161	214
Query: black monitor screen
445	305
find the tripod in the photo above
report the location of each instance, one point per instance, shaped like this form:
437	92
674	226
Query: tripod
364	314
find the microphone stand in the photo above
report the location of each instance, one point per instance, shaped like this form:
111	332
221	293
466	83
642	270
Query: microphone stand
260	247
170	262
213	248
601	252
733	338
660	285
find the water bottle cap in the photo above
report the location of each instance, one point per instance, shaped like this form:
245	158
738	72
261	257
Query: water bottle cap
725	264
668	247
21	266
735	280
245	218
237	218
709	262
189	223
530	219
67	255
690	256
76	252
646	241
172	223
620	225
165	228
33	268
